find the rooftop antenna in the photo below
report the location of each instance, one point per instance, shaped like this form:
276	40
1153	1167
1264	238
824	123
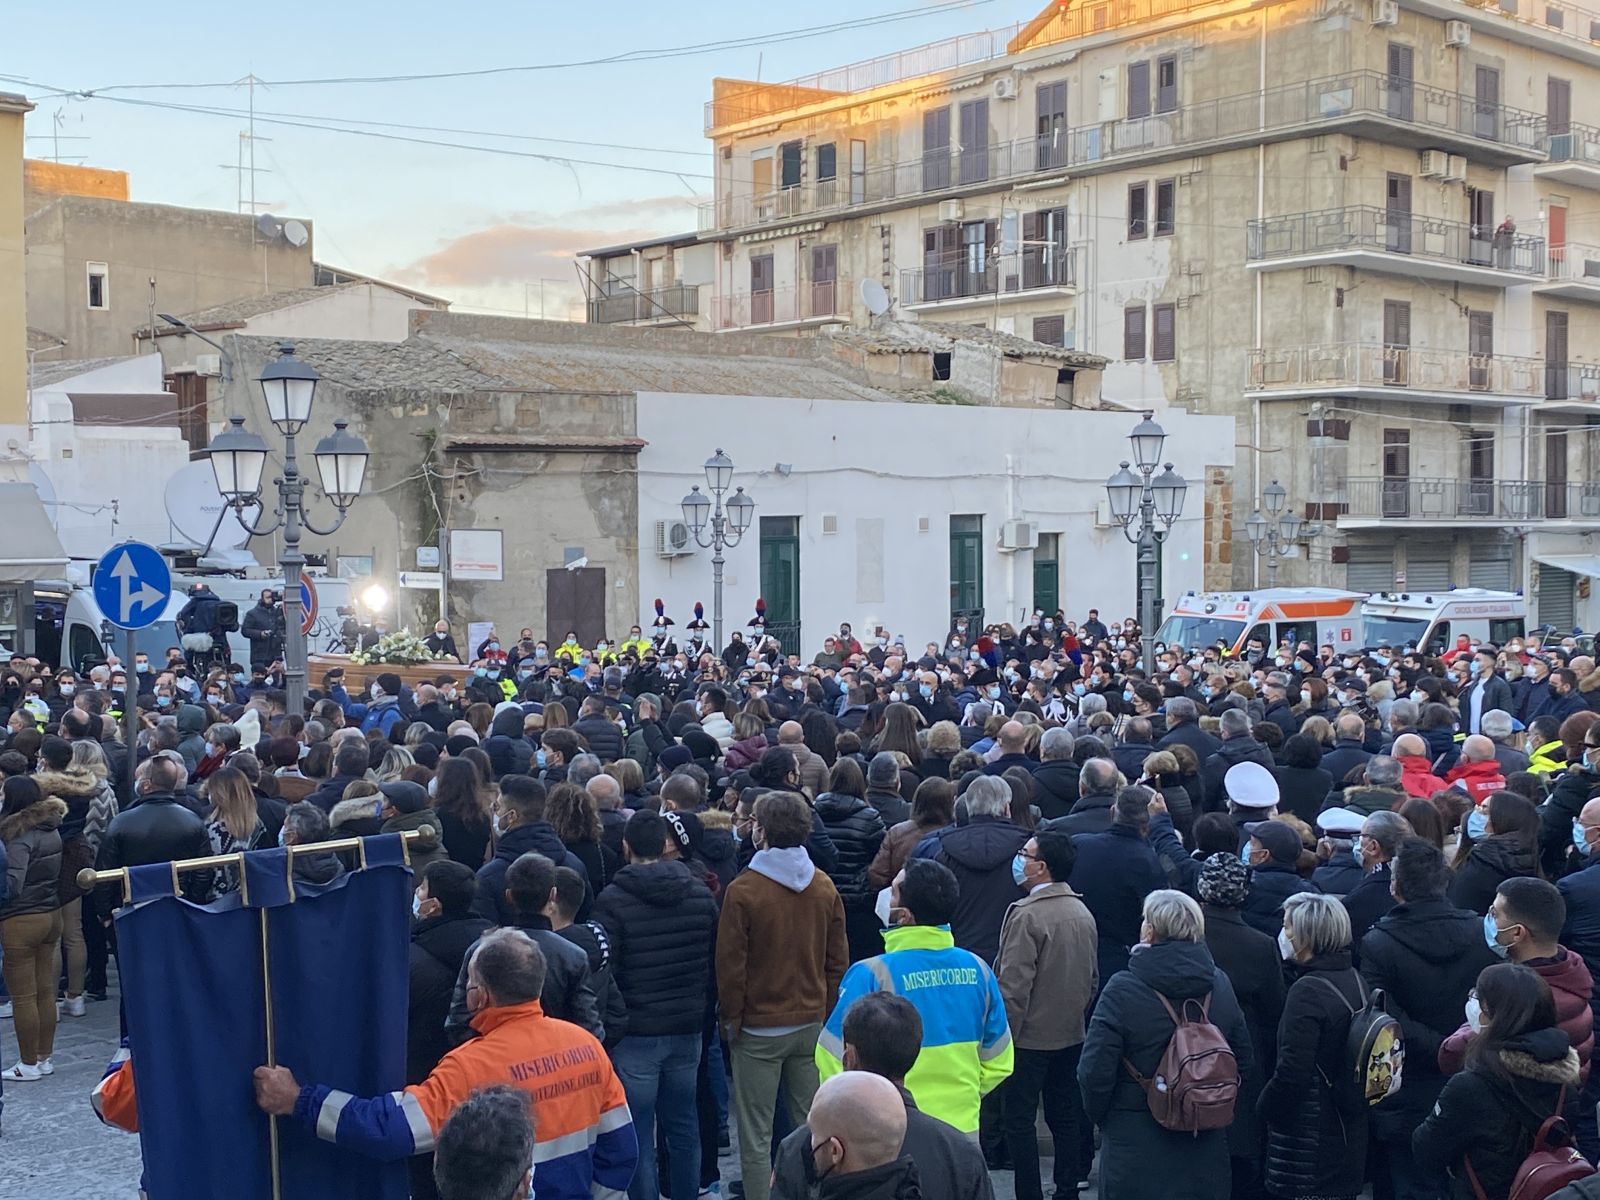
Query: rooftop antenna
55	137
247	150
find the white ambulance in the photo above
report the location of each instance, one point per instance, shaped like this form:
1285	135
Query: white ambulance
1433	621
1320	616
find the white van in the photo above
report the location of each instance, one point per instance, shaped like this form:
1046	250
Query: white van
1320	616
1432	621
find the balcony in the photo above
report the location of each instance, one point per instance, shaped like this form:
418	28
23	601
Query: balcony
1045	272
1375	239
1373	371
1572	272
805	307
1364	103
1370	502
626	305
1573	157
1572	388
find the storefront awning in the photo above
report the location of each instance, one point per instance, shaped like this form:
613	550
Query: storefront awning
1578	564
29	547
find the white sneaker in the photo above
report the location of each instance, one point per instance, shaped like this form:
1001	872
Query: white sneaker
22	1073
46	1067
74	1006
5	1010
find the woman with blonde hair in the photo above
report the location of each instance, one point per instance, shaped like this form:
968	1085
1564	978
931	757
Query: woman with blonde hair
944	743
395	760
232	825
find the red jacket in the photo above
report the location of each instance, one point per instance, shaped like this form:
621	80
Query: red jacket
1570	986
1418	779
1478	779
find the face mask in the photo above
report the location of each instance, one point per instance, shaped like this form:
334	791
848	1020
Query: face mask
66	689
1419	696
416	905
494	672
374	691
214	699
1049	625
1452	676
540	757
241	678
1477	667
499	825
1474	1014
1490	933
1127	695
1019	868
143	668
283	832
1121	644
994	691
1280	661
881	909
481	672
433	786
1477	822
1244	856
973	655
493	646
1285	946
750	660
1079	690
602	647
1578	840
1381	659
1305	697
163	701
927	692
1355	852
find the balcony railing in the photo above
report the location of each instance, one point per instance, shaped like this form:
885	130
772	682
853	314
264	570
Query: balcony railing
1572	262
1572	381
1579	143
782	306
1413	499
1337	100
1367	227
1350	365
1036	267
679	300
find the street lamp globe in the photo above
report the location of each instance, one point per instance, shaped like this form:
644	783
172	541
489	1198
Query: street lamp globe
238	458
696	509
342	464
1169	489
1289	525
741	508
1147	439
1273	495
719	472
289	386
1256	527
1123	490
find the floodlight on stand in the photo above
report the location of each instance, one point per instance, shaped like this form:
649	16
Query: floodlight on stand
1123	490
696	509
1147	439
375	597
289	386
719	472
238	458
1169	489
740	509
342	464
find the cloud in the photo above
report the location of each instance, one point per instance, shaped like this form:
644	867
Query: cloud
510	254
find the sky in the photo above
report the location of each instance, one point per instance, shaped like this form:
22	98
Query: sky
491	231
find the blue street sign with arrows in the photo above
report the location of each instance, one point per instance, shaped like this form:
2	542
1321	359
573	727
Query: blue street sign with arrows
132	585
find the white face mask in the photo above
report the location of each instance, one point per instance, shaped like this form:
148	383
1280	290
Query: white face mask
1474	1014
1285	946
881	908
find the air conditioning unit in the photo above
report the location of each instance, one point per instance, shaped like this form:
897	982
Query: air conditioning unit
1433	164
1005	87
1102	515
1457	33
673	539
1019	535
950	210
1385	12
1456	172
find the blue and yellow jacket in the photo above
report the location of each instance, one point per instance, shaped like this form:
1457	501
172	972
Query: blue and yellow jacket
584	1147
966	1044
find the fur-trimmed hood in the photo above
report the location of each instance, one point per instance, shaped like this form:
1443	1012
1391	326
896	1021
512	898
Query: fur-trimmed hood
1590	682
70	783
1562	1071
359	808
46	814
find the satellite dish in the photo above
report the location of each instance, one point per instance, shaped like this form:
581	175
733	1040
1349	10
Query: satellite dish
268	226
874	297
193	505
295	233
47	492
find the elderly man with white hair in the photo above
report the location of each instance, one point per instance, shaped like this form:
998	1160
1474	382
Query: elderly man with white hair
1506	732
1416	767
1478	773
979	853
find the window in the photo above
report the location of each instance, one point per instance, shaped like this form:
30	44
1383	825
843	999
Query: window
1164	342
99	293
1486	115
1133	333
1398	82
974	141
1166	206
966	565
858	172
1555	473
1397	454
1051	125
936	149
1138	90
1480	348
1050	331
824	278
1046	261
1138	210
941	365
789	158
1558	106
1556	375
1479	447
761	276
1396	342
827	161
1167	83
976	238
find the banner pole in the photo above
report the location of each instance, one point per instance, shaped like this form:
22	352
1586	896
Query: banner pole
272	1056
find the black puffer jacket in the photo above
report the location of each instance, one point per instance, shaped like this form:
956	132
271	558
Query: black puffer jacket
32	840
509	752
1270	886
857	831
980	854
1302	790
537	836
1492	1121
663	927
437	947
605	739
1315	1148
1492	861
1055	787
1215	769
1139	1160
157	829
1571	792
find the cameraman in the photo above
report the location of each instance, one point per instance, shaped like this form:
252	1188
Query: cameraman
263	628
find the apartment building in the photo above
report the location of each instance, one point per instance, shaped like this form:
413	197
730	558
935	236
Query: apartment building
1367	230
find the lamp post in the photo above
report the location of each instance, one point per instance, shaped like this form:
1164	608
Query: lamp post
238	459
1157	502
1277	532
726	528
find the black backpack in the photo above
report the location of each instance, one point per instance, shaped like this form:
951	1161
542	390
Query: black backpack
1374	1052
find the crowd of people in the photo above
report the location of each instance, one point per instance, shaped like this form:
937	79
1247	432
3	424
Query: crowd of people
864	914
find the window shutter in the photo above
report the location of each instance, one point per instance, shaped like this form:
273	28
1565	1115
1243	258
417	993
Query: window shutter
1133	333
1165	340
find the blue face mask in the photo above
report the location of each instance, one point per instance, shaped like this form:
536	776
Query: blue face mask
241	677
1019	866
163	701
927	692
481	672
1578	840
1477	822
416	905
1490	933
994	691
539	758
1127	695
1244	856
1079	690
1452	676
1381	659
524	674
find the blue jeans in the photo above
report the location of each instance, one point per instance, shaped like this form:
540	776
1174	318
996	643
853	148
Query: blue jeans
659	1075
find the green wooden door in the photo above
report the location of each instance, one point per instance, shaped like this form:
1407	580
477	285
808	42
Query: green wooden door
780	579
1047	573
966	565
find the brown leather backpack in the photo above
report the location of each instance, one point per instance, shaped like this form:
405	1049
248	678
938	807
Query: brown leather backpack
1196	1083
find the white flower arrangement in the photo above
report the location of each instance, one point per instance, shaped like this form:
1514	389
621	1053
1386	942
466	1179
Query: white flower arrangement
401	646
